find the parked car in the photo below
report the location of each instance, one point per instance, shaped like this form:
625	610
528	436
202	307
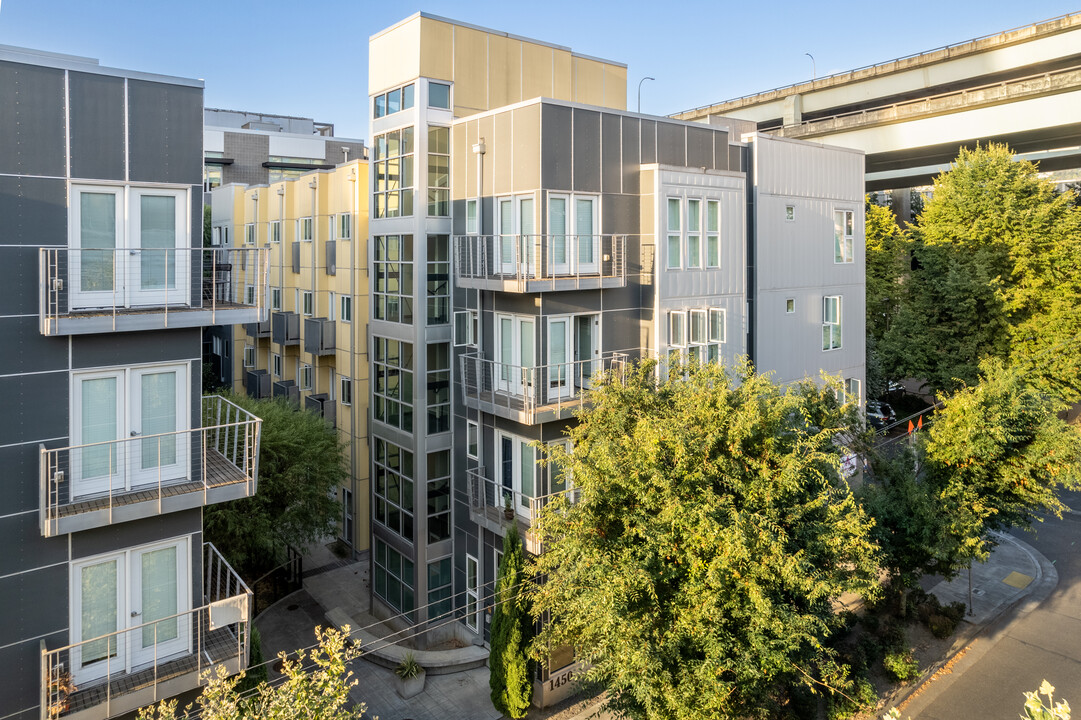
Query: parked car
880	414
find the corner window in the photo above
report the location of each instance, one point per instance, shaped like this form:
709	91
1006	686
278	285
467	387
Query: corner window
843	236
439	95
439	171
393	101
438	279
438	381
831	322
393	488
393	163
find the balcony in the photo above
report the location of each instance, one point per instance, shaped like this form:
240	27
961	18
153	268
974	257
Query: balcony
488	506
257	383
104	483
532	394
285	328
540	263
287	389
323	406
84	290
320	336
134	675
256	330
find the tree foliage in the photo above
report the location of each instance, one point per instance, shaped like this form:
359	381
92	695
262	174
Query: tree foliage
697	569
887	265
316	686
510	679
300	466
998	274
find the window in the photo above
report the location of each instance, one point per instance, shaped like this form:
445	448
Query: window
393	578
394	278
393	161
347	308
345	226
677	329
706	334
438	279
843	236
394	101
438	388
211	177
249	294
439	171
852	391
789	213
304	229
346	395
465	327
305	376
249	356
472	439
831	322
574	242
717	331
713	234
674	233
694	236
438	496
394	488
309	302
275	298
698	327
331	307
471	217
249	234
275	231
516	464
393	378
790	305
440	600
215	236
276	363
472	599
439	95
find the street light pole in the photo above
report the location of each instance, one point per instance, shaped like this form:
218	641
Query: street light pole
814	67
640	91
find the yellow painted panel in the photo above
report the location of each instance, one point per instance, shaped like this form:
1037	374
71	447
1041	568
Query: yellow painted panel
537	68
394	57
588	81
500	147
526	148
437	49
564	76
486	130
505	71
615	87
470	70
463	159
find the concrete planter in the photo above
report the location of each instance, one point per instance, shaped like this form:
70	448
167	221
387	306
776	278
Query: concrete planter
410	687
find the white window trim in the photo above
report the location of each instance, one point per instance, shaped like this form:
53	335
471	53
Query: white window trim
677	318
790	213
699	317
669	233
274	231
469	317
276	365
249	234
708	234
249	356
275	298
346	309
848	242
345	226
307	299
723	312
698	263
472	620
517	464
305	223
828	323
472	428
305	376
472	225
345	382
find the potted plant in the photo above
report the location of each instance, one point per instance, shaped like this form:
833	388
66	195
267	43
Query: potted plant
508	507
410	677
60	687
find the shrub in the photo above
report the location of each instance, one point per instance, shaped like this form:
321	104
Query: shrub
901	666
860	697
408	668
256	674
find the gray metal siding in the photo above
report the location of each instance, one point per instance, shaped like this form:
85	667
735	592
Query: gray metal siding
587	151
649	142
26	349
700	148
556	126
671	144
631	147
34	211
165	124
20	477
36	603
137	532
611	154
22	666
96	107
152	346
32	120
35	406
25	548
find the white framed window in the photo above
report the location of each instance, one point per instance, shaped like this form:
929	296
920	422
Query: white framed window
790	305
831	322
472	597
216	345
790	213
276	364
249	294
304	229
346	308
439	95
471	216
516	463
345	226
465	327
308	299
694	233
852	392
215	236
345	396
249	356
844	230
673	253
331	305
305	376
717	325
472	439
713	234
249	234
275	231
698	333
677	328
275	298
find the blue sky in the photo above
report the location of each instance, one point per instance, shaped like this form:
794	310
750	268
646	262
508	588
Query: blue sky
311	58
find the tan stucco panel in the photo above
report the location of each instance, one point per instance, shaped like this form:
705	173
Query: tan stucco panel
394	57
615	87
564	76
437	49
538	67
588	81
470	71
526	143
504	158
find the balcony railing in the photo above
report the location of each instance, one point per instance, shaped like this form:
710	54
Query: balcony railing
532	394
145	663
90	290
96	484
540	263
488	503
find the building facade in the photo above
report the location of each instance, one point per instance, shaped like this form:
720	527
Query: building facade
313	348
580	237
110	448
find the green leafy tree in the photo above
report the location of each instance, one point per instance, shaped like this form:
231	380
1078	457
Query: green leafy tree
207	229
696	571
510	678
300	466
316	686
887	265
998	274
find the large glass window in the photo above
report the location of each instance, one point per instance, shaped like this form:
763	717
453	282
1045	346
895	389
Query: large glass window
438	496
393	578
394	488
831	322
439	95
438	388
394	278
440	601
843	236
694	233
438	279
675	261
394	101
393	370
439	171
393	160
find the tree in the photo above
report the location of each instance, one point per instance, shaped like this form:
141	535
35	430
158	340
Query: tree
207	229
997	274
300	466
887	264
510	678
317	690
697	569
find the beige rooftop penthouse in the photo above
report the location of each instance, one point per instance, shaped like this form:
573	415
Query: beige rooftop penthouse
490	69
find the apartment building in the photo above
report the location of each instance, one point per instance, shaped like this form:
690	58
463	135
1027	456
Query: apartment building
111	597
580	237
257	148
313	348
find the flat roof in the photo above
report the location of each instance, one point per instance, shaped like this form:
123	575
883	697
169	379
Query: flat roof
30	56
